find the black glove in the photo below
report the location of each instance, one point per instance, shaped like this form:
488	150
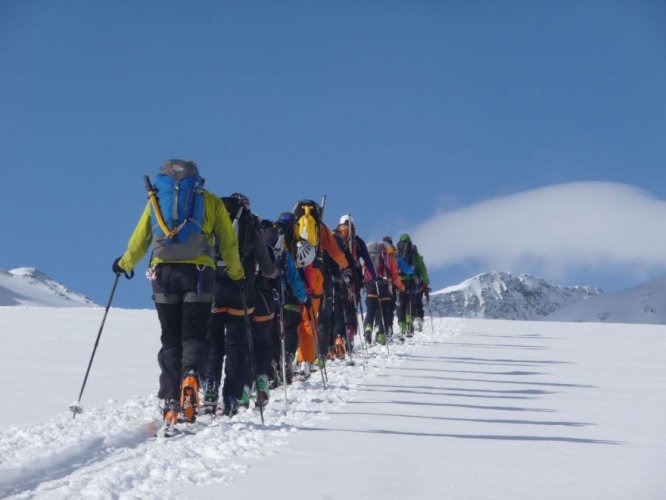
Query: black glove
308	302
116	266
119	270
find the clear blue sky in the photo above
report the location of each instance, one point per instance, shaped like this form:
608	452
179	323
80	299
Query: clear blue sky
396	110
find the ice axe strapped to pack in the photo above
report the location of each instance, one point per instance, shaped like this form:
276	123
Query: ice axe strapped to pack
177	210
307	215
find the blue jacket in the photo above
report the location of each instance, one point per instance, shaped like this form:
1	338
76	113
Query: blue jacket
293	278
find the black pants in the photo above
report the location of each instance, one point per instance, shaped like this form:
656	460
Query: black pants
379	307
238	366
407	305
345	321
292	318
325	318
182	295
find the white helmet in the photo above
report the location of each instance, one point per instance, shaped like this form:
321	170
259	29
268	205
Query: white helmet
346	218
305	253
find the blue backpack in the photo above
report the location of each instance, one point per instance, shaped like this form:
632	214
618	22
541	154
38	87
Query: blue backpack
178	190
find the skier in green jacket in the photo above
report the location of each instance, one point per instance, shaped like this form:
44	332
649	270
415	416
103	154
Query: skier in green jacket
414	276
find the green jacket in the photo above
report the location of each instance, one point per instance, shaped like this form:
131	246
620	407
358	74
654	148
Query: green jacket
416	262
217	229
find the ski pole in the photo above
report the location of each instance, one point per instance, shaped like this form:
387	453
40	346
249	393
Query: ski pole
282	343
381	317
250	344
432	322
76	407
360	328
359	305
350	338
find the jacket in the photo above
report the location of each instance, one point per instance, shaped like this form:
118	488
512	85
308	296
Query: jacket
216	228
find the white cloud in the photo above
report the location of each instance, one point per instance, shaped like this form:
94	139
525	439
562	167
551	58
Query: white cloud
552	230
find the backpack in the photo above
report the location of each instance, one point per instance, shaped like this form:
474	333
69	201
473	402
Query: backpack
177	212
406	264
376	256
243	222
308	218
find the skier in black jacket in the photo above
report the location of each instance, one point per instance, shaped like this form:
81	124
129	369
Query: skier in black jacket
226	329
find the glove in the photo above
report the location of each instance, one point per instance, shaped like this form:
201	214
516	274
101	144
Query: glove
119	270
116	266
308	301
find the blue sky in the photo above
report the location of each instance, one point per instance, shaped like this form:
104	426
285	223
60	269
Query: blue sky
401	112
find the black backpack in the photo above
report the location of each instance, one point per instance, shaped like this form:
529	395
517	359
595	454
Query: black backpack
244	223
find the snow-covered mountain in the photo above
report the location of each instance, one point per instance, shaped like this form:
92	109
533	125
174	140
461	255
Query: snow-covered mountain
26	286
642	304
501	295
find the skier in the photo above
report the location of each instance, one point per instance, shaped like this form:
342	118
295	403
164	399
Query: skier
422	287
377	292
312	238
345	319
289	294
227	329
412	267
391	250
182	267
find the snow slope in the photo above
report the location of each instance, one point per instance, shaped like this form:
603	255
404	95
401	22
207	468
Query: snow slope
501	295
26	286
475	409
642	304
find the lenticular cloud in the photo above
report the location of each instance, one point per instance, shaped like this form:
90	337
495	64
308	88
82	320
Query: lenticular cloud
553	229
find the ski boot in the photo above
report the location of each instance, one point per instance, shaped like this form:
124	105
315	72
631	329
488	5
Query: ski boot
189	396
419	324
368	334
263	392
330	355
210	397
170	412
230	407
305	371
349	342
340	350
381	338
244	401
409	326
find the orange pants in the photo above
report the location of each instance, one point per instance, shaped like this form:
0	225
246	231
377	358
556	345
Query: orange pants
307	349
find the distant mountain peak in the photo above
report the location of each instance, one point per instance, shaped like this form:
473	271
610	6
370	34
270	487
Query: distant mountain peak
27	286
502	295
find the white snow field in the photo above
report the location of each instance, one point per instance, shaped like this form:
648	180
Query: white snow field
477	409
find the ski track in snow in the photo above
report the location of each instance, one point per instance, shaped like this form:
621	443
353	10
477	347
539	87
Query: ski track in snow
111	451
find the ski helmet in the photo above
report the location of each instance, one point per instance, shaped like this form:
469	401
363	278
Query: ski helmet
305	253
285	219
346	219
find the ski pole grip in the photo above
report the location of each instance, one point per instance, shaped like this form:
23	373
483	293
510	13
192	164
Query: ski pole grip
149	186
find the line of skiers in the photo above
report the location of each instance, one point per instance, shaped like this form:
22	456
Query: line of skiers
235	291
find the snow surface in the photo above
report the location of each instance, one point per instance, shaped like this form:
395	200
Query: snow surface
26	286
474	409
